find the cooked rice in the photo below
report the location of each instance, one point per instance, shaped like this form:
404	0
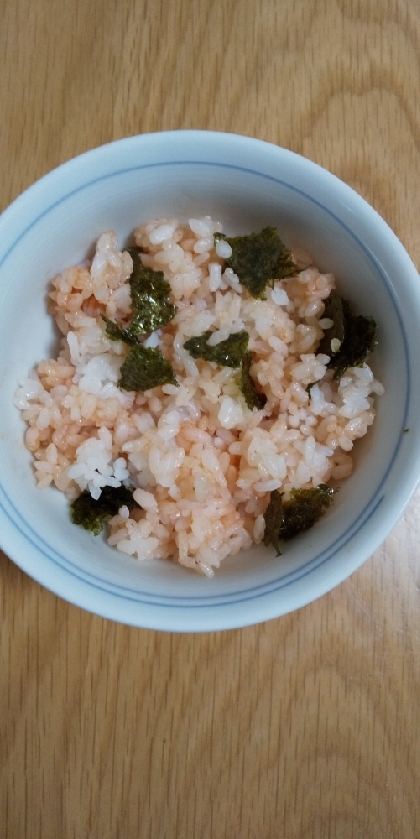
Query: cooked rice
202	463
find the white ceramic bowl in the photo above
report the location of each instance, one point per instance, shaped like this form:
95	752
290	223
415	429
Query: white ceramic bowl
247	184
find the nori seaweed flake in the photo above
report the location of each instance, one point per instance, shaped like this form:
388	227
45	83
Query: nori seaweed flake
258	259
92	513
150	301
335	311
150	296
286	519
355	336
119	333
253	398
273	518
145	368
303	509
228	353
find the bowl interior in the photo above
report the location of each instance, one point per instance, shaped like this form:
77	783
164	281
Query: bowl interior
246	185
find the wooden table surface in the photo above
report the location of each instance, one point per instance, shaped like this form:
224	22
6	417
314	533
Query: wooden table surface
307	727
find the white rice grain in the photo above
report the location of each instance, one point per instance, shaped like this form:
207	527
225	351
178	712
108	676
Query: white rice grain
201	462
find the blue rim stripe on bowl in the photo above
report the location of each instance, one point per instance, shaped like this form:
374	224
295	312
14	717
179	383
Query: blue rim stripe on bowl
179	602
284	580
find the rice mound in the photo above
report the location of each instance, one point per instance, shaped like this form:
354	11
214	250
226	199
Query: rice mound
202	463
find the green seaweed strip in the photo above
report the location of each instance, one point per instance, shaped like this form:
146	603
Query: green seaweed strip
145	368
228	353
253	398
258	259
92	513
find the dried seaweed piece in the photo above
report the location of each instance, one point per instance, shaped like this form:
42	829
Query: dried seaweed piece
150	296
335	308
150	299
303	509
228	353
119	333
253	398
145	368
273	518
92	513
258	259
355	336
286	519
360	340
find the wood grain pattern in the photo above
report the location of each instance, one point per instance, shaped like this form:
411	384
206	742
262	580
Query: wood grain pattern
306	727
